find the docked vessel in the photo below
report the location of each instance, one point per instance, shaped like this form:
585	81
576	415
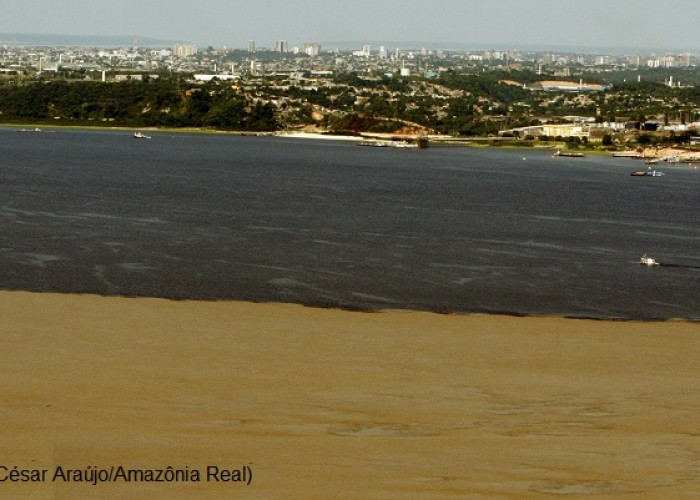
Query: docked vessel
645	260
388	144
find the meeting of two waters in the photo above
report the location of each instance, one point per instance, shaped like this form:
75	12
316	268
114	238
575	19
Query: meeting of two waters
327	223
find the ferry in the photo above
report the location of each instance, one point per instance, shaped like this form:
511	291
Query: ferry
648	261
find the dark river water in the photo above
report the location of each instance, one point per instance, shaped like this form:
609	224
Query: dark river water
330	224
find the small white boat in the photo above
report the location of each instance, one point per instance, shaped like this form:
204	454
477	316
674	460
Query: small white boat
648	261
647	173
139	135
567	154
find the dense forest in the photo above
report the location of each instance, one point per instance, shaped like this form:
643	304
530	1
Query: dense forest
134	103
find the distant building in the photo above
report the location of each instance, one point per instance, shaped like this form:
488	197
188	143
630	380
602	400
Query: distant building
668	61
566	86
365	52
184	50
282	46
312	49
553	130
634	61
208	78
251	45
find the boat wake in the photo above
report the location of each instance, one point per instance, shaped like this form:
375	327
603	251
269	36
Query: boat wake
650	261
679	266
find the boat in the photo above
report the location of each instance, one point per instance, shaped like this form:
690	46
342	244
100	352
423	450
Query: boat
568	154
139	135
388	144
647	173
627	154
648	261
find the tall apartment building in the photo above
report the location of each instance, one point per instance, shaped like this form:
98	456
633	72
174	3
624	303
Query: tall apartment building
184	50
365	52
312	49
282	46
251	45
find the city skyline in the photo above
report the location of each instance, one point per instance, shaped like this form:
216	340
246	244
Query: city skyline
538	23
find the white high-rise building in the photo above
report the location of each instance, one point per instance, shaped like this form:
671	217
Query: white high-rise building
282	46
184	50
365	52
251	45
312	49
383	54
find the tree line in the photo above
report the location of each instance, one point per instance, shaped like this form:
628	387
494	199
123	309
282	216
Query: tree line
134	103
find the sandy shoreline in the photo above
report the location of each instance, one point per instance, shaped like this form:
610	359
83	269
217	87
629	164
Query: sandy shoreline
333	404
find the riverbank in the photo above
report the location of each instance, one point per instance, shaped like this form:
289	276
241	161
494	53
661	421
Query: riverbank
322	402
433	140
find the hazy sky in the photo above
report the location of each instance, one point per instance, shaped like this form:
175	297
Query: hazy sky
638	23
